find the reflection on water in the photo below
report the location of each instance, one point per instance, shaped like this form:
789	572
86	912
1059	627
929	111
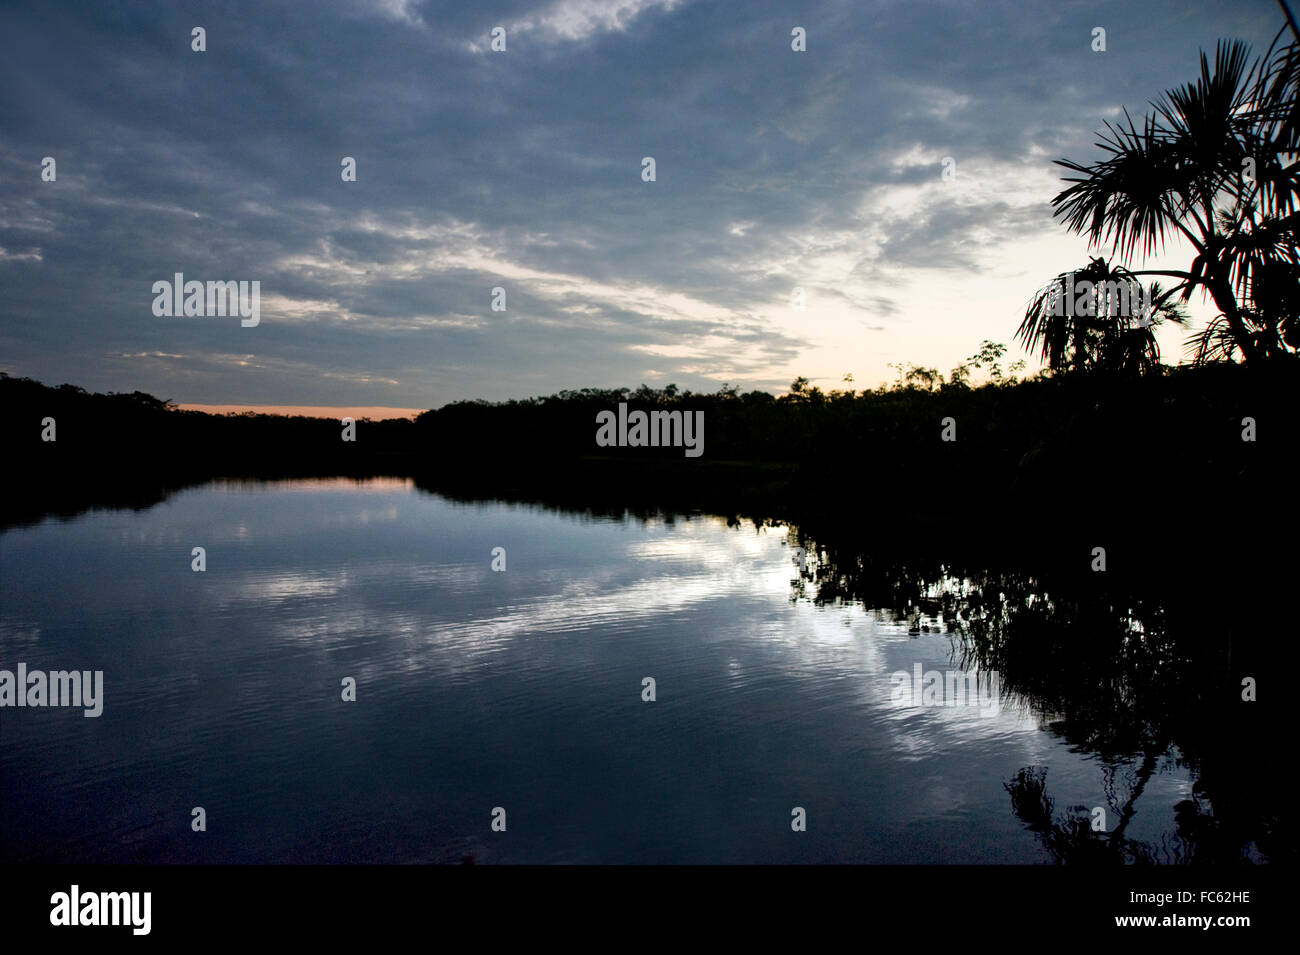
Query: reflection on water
1145	681
522	689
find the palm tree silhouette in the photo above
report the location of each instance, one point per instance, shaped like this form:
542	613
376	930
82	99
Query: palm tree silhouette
1115	335
1214	162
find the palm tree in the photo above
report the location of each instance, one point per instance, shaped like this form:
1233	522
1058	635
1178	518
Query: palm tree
1215	163
1109	326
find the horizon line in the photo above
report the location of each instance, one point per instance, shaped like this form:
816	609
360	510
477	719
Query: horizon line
375	412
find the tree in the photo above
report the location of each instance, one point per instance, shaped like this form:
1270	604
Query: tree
1099	319
989	359
1215	162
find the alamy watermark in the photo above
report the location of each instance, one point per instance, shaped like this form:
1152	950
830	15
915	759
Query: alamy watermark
1128	299
976	688
84	688
76	907
655	429
194	299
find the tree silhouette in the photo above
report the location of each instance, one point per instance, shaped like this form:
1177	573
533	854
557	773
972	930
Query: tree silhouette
1113	333
1215	162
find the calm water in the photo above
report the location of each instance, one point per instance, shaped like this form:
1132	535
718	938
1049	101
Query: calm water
478	689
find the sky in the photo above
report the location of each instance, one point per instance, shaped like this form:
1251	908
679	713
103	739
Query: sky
522	169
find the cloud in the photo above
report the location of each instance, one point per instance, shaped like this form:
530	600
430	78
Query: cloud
571	21
775	169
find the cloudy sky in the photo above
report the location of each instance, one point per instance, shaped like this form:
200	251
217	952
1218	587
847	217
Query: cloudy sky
522	169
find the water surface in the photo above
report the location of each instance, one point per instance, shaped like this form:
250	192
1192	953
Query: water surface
478	689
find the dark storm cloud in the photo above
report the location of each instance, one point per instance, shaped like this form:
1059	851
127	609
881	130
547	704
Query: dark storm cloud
522	170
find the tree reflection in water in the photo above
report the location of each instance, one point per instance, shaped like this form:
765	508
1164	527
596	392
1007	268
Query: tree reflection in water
1142	669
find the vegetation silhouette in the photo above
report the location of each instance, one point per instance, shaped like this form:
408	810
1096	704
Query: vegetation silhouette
1112	337
1215	163
1141	666
1048	451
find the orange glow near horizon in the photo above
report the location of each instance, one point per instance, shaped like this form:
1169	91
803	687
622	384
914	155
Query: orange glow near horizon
357	412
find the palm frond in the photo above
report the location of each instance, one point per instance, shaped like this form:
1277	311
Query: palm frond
1215	342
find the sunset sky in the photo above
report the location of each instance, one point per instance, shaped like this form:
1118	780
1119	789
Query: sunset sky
523	169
